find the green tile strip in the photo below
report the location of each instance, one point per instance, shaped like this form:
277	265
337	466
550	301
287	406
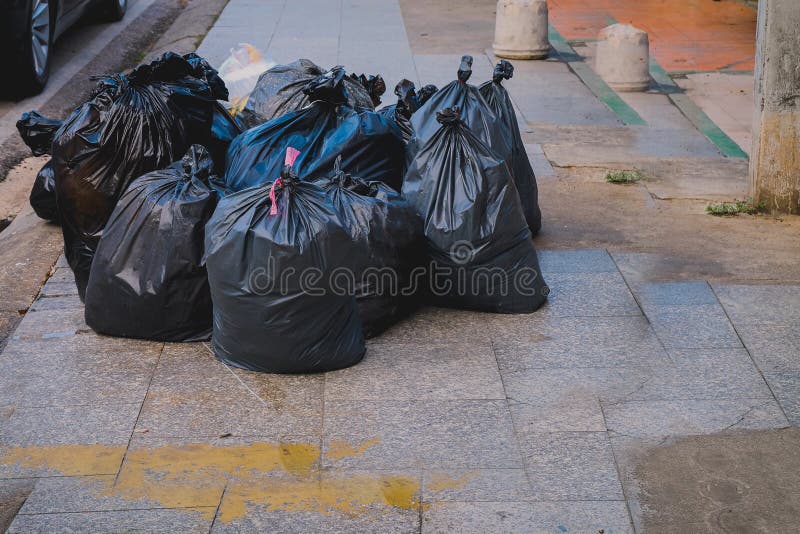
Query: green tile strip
692	111
595	83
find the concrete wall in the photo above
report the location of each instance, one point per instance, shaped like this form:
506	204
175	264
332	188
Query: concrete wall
775	157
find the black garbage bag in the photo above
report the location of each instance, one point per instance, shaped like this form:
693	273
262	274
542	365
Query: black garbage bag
147	280
270	251
224	129
475	113
133	124
424	94
370	145
388	234
374	85
280	90
497	97
400	113
479	244
43	194
38	131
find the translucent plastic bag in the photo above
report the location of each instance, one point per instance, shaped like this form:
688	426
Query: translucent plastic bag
240	72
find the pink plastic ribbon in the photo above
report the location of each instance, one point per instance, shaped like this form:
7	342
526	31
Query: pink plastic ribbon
291	156
273	210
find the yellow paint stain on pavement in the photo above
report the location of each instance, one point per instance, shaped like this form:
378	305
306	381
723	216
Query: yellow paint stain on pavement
343	449
69	460
351	495
276	476
443	481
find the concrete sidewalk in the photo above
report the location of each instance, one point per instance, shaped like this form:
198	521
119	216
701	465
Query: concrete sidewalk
557	421
454	420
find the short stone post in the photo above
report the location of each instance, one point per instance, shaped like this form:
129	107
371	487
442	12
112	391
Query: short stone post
520	30
623	57
775	152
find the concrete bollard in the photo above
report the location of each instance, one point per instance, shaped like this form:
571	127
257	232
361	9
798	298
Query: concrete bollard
623	57
520	30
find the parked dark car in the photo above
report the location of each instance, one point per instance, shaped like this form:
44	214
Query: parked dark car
28	29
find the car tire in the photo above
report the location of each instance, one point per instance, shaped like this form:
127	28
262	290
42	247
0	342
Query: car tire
114	10
33	65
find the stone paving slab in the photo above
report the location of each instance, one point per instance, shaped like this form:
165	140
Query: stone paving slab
528	517
786	388
167	521
574	342
773	347
468	409
589	295
476	485
569	466
761	304
452	371
192	394
653	419
693	327
30	377
262	520
449	434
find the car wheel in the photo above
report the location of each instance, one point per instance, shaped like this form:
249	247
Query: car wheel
115	9
34	62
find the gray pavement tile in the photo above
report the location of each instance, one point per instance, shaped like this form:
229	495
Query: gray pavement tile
541	167
655	294
266	13
192	394
51	324
701	326
216	46
168	521
68	440
110	424
475	485
397	434
609	516
56	303
191	366
54	376
62	262
61	283
588	295
436	326
213	408
786	387
762	304
376	519
525	342
451	371
705	374
53	495
576	261
571	466
647	266
774	347
556	400
652	419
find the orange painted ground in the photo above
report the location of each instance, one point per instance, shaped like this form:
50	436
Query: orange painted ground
685	35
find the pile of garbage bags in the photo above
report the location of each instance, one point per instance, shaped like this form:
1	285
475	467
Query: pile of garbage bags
292	224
